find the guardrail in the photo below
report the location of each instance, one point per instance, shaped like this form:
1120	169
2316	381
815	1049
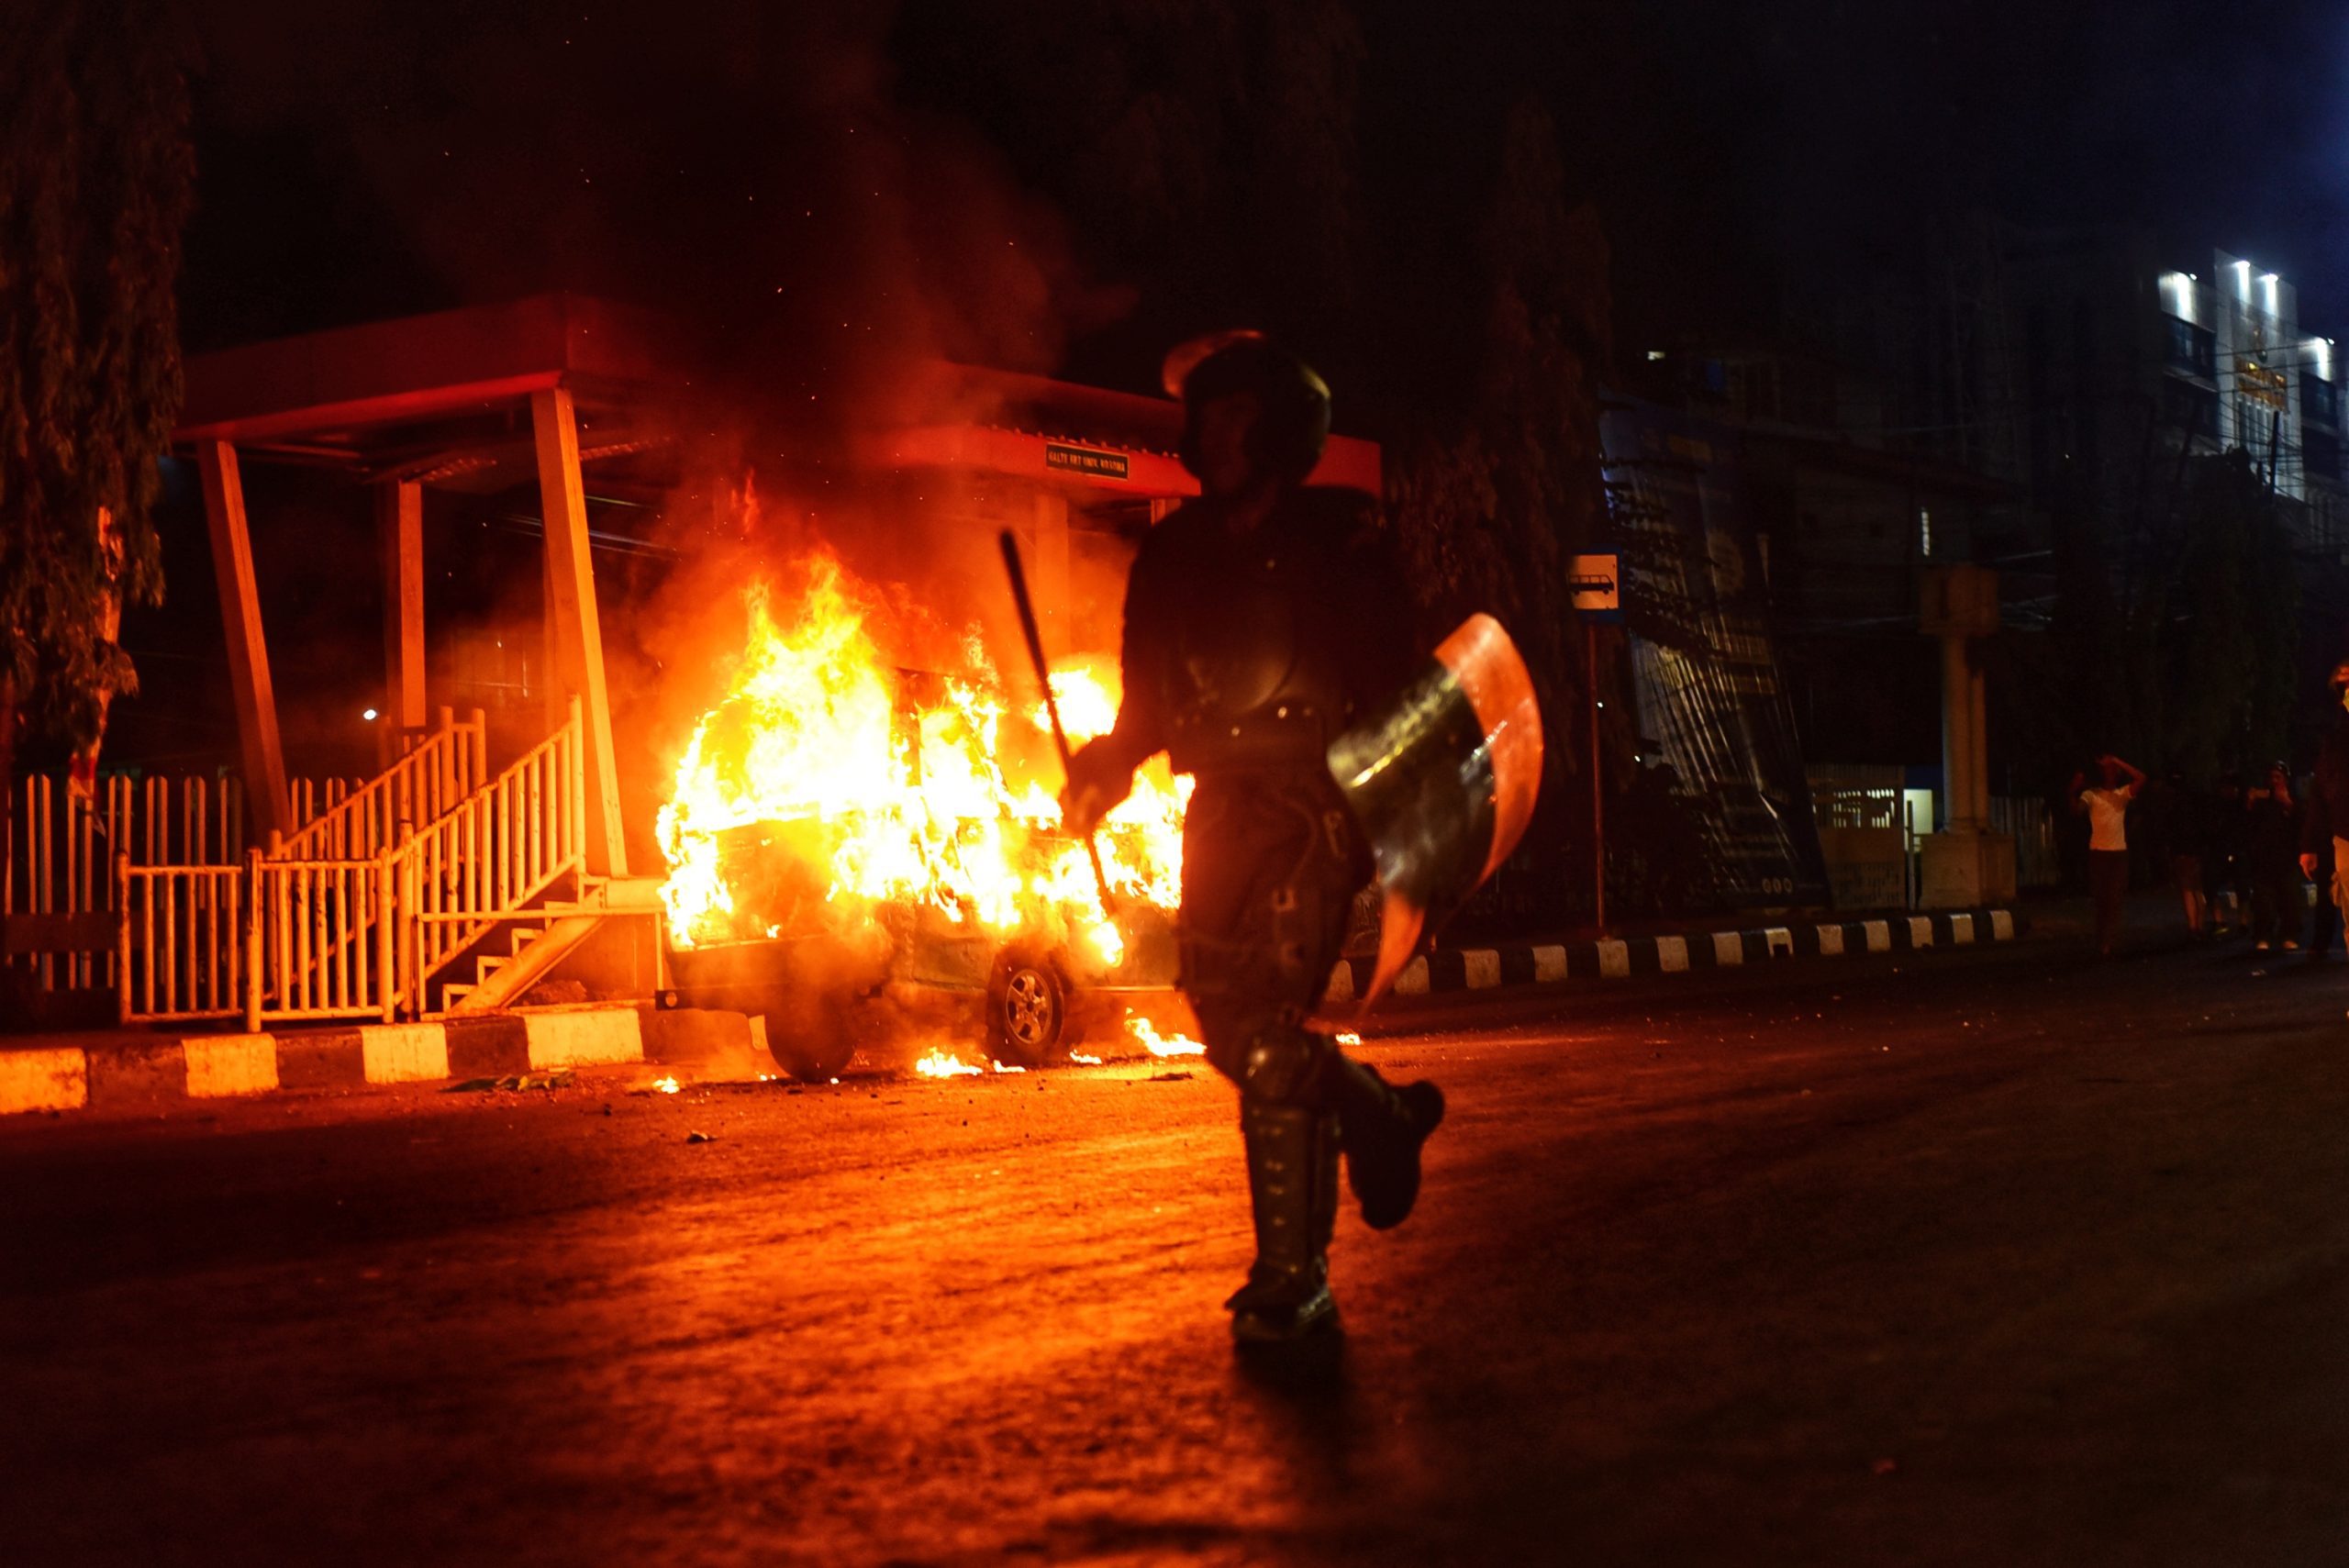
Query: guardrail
179	947
277	935
59	848
321	939
489	856
441	769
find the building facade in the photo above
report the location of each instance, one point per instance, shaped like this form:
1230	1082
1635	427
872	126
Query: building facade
2039	400
2240	372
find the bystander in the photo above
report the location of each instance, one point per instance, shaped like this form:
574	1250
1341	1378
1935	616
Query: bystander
2106	805
2273	838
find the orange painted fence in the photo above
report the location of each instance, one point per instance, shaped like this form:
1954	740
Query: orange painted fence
58	852
148	892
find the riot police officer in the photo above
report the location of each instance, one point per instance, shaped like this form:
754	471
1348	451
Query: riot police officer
1260	620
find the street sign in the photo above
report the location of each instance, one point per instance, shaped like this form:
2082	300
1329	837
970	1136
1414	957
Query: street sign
1086	461
1597	584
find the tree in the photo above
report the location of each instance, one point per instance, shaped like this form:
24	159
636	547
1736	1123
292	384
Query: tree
1492	494
96	178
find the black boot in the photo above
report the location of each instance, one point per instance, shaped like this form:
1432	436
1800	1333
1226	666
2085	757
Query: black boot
1293	1189
1383	1127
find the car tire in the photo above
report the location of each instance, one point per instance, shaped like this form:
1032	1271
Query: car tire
1027	1006
812	1044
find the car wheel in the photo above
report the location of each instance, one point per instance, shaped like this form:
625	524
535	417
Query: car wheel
1027	1009
811	1043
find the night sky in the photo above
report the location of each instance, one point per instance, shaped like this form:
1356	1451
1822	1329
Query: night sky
1069	188
364	160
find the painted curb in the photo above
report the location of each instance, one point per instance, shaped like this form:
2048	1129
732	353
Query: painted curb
143	1073
46	1080
1684	953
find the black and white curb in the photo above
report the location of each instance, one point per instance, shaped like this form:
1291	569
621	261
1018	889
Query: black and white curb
141	1072
1554	963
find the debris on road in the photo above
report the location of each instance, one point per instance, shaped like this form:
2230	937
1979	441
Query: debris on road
701	1137
512	1081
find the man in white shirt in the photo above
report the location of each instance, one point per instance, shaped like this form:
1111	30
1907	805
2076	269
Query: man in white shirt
2107	809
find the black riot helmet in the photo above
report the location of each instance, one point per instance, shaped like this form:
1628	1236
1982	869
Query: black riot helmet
1294	424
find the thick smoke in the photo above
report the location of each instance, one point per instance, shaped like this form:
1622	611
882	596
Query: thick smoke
742	167
744	170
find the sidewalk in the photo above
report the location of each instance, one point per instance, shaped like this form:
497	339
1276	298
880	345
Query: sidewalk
1557	964
137	1069
2150	913
144	1070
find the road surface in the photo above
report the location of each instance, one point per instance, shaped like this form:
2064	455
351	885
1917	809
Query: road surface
1996	1258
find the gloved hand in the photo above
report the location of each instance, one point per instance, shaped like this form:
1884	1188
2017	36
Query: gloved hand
1099	777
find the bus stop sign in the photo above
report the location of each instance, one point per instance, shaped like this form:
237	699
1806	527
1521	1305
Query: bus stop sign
1596	583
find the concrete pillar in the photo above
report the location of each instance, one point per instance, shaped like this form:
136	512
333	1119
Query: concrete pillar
232	569
1965	864
574	630
1964	756
399	533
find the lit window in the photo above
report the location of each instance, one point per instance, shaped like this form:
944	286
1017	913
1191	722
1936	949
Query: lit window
1924	532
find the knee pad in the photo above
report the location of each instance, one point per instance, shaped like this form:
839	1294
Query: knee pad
1282	1065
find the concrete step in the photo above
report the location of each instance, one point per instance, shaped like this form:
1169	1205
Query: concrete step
612	896
512	978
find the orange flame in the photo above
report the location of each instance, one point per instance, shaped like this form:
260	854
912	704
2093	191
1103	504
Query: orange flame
882	790
1158	1044
938	1064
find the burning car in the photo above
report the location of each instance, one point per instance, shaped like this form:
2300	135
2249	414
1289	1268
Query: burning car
853	842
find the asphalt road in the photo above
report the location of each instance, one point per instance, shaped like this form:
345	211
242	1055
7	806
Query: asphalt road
2000	1259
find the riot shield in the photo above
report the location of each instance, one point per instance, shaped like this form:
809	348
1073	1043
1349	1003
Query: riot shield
1442	782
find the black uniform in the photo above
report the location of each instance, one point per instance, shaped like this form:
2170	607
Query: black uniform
1244	655
1246	650
2273	869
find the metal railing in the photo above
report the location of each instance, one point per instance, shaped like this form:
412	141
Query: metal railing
180	936
495	852
2031	823
59	850
361	818
316	942
359	936
353	916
